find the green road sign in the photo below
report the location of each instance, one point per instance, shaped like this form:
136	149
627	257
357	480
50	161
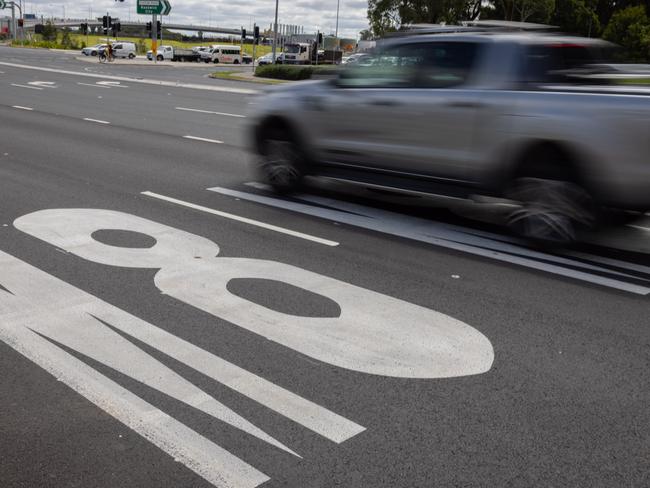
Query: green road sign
150	7
3	4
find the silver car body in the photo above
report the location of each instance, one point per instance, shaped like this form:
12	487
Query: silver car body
470	137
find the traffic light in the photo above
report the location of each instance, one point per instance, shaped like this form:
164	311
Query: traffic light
117	27
243	33
106	21
158	29
320	38
257	32
21	22
84	29
148	26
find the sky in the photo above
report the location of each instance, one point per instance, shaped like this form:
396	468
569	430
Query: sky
312	14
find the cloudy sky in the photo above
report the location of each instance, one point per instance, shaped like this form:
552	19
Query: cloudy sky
312	14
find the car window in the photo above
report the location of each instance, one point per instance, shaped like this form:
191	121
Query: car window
421	65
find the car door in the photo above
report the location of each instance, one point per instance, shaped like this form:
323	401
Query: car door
408	111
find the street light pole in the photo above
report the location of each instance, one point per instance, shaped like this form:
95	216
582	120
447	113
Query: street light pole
275	30
336	33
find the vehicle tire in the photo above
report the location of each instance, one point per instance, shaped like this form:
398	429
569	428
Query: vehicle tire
93	53
281	161
131	56
216	61
236	61
550	211
159	58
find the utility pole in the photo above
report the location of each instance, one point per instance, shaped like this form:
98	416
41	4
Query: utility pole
275	30
154	38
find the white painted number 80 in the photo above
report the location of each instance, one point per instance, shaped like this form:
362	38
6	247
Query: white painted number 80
374	333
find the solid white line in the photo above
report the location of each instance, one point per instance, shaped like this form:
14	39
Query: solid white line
25	86
639	227
245	220
22	108
90	84
209	112
440	235
97	121
225	89
213	141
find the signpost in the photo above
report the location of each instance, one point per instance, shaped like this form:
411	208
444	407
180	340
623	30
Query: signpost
154	8
3	5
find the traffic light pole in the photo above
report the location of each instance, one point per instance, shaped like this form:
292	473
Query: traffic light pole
154	38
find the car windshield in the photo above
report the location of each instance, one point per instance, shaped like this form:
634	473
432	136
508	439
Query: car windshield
292	48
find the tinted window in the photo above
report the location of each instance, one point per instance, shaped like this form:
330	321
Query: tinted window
422	65
563	62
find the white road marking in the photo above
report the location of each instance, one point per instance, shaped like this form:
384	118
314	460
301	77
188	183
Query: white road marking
443	235
22	108
203	139
244	220
41	311
111	84
96	121
209	112
225	89
93	85
44	84
639	227
373	333
27	86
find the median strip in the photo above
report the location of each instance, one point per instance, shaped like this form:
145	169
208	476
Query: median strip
209	112
213	141
244	220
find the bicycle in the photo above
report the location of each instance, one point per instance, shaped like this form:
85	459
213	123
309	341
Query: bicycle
104	57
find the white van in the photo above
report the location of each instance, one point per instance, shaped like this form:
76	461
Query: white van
124	50
226	54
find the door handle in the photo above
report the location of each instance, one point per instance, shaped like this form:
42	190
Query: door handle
383	102
464	104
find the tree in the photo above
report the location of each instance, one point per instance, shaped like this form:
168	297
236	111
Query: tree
49	31
630	28
390	15
521	10
365	35
577	17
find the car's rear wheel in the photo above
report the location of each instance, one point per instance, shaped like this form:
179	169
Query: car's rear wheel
131	55
550	211
159	57
281	161
216	61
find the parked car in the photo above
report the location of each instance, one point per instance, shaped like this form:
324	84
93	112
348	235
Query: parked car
124	50
521	116
93	50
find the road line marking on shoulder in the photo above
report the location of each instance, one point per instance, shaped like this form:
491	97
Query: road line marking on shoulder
209	112
93	85
446	236
27	86
96	121
244	220
203	139
22	108
225	89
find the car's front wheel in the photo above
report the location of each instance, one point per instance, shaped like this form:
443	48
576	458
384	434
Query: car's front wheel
131	55
281	162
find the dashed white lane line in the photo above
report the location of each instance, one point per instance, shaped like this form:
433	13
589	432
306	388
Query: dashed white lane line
90	84
209	112
203	139
244	220
26	86
97	121
19	107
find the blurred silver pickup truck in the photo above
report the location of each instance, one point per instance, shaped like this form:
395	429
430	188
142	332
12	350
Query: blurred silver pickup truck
541	119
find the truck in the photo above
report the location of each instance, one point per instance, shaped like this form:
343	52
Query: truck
299	53
171	53
536	120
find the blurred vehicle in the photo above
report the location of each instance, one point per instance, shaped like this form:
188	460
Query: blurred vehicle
172	53
224	54
200	49
124	50
206	55
268	59
92	50
357	58
529	117
246	58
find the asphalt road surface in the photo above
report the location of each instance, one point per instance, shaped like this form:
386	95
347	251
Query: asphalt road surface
166	321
